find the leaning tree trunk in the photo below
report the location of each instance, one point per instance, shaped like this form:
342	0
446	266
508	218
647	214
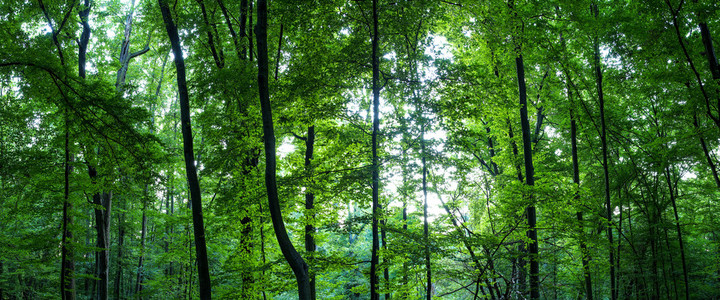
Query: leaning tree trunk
296	262
193	182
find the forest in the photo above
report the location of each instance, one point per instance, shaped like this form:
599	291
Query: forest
362	149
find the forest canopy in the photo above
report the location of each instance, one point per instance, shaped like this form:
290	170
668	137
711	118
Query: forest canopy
365	149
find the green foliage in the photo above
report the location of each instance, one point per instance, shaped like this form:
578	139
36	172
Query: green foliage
448	82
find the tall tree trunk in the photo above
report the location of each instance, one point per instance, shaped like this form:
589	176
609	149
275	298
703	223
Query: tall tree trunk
529	179
296	262
101	199
426	230
193	182
121	241
374	260
606	173
310	206
673	199
67	276
141	259
103	206
576	180
248	281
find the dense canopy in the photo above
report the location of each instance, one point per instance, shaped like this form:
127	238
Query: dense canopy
365	149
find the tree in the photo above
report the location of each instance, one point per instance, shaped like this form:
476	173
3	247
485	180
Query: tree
193	183
296	262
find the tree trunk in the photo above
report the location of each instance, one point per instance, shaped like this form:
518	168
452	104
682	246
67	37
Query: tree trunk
125	54
193	182
310	206
426	230
679	231
103	206
67	276
250	32
576	180
529	179
231	28
296	262
243	28
217	52
141	259
119	271
374	260
248	280
606	173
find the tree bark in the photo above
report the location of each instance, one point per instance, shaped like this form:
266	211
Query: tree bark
193	182
296	262
374	260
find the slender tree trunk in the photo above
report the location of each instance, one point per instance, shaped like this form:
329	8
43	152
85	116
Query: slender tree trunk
119	271
250	32
141	259
233	34
529	180
374	260
248	281
679	232
310	205
426	231
708	158
193	182
67	272
262	245
296	262
576	180
217	52
606	173
102	200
